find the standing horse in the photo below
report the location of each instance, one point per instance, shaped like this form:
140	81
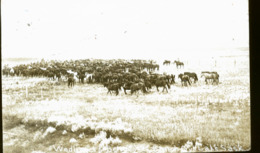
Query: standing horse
192	75
179	64
172	79
81	77
211	76
137	86
166	62
71	81
148	85
127	86
89	78
113	87
162	83
184	79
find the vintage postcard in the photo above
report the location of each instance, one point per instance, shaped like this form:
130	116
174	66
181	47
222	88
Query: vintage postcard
125	76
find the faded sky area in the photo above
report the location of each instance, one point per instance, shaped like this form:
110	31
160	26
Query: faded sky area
122	28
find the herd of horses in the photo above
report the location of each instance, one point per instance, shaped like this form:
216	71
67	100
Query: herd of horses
129	75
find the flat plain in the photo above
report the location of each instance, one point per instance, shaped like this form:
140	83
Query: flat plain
55	118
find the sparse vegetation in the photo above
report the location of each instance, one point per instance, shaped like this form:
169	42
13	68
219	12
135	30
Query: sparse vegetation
198	118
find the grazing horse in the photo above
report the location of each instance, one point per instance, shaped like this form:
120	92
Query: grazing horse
71	81
113	87
184	79
162	83
192	75
166	62
179	64
211	76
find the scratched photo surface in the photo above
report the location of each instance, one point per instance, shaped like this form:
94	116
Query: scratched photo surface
90	76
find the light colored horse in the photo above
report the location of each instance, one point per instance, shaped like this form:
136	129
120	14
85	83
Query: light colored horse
213	77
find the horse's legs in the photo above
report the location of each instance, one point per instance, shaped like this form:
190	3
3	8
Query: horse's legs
165	88
157	88
189	82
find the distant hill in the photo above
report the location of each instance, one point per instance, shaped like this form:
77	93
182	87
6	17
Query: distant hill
19	59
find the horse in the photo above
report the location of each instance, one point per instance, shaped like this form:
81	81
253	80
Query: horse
184	79
166	62
58	75
192	75
137	86
179	64
81	77
113	87
148	85
127	86
89	78
51	75
211	76
71	81
172	78
162	83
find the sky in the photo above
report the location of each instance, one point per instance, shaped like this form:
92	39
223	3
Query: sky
122	28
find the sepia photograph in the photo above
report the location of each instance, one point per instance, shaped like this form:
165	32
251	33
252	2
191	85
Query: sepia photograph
125	76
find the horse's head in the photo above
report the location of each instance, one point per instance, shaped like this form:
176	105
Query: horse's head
180	76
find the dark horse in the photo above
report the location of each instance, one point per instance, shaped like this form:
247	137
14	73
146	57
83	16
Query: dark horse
127	86
184	79
179	64
170	78
162	83
71	81
148	85
81	77
192	75
113	87
137	86
166	62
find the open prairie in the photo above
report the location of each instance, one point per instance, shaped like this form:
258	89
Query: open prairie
40	115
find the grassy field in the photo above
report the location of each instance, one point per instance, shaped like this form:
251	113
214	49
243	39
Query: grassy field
54	118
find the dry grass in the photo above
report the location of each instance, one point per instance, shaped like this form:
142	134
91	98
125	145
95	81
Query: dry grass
161	122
